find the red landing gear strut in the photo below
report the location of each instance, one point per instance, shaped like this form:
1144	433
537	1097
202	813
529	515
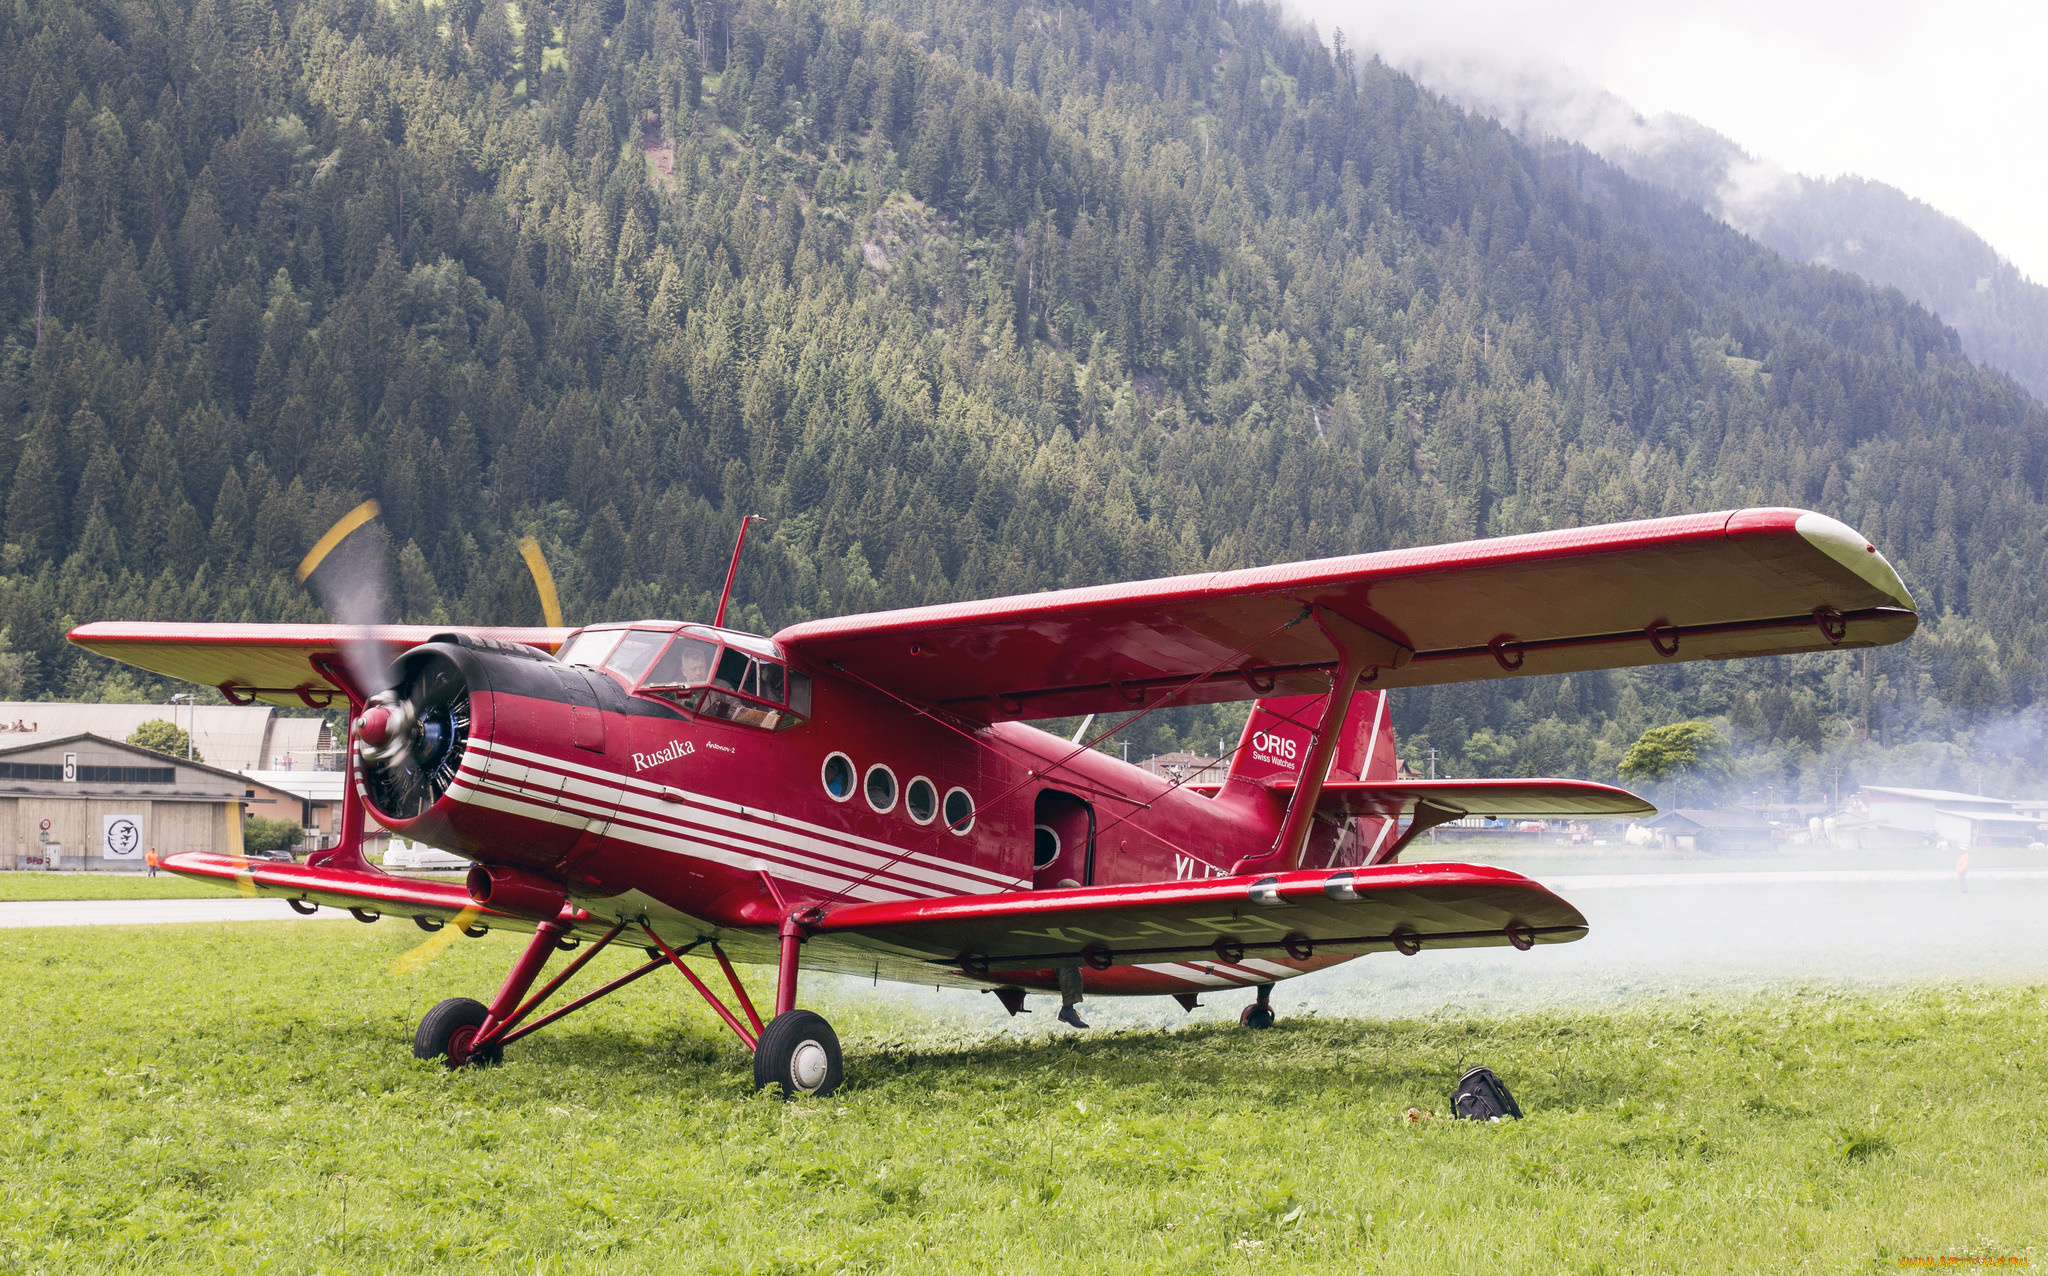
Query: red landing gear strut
795	1051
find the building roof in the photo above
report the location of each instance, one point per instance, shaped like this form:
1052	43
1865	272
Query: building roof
1994	817
13	744
312	786
1946	797
237	737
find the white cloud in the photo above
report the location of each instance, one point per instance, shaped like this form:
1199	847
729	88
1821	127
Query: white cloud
1942	100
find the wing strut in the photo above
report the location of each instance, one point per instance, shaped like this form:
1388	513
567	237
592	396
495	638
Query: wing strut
1358	649
346	854
1427	816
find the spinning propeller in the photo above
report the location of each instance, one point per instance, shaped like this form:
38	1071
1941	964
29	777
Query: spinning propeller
410	735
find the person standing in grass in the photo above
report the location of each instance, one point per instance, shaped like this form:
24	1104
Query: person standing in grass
1963	871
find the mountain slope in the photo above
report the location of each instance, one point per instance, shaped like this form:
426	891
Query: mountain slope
1850	223
971	298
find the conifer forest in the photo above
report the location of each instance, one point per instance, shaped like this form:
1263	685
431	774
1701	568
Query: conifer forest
969	298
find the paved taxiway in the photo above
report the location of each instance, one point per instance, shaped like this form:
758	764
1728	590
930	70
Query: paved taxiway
149	912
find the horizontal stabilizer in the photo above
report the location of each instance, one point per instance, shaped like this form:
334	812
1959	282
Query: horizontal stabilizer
1544	798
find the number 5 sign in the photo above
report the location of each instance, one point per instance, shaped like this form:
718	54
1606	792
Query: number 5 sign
123	837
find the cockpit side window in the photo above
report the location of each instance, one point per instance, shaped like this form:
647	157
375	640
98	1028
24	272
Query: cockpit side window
734	670
726	683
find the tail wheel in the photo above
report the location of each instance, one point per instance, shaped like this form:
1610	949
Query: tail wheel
1256	1015
798	1052
448	1030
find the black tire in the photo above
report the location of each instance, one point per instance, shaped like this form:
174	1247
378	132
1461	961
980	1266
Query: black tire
441	1030
799	1052
1256	1016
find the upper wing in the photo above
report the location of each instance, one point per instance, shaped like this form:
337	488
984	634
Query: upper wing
1341	911
283	664
1699	587
1477	797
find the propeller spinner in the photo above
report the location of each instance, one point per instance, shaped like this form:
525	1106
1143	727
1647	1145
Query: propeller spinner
412	736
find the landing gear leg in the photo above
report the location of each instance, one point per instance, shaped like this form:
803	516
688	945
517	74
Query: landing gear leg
453	1029
1260	1013
798	1052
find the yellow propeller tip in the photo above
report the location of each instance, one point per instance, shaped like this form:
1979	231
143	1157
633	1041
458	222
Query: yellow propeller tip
336	534
543	580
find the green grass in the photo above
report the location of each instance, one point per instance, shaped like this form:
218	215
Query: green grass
242	1098
23	886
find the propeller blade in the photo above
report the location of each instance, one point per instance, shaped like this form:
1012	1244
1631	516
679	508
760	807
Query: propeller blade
347	574
543	580
435	944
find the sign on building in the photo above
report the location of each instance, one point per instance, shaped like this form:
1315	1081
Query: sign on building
122	838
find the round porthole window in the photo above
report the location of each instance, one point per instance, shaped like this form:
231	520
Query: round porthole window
1045	848
959	810
881	788
921	800
838	777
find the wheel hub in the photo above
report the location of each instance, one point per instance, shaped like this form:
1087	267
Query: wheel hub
458	1046
808	1064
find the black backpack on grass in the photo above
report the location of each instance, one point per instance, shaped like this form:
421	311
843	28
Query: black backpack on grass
1482	1096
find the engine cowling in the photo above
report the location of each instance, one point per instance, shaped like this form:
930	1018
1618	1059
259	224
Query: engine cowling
470	749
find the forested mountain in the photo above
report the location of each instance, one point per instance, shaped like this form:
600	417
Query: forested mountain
971	298
1851	223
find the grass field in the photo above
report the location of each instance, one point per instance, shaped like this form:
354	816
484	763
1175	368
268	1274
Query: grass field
23	886
242	1098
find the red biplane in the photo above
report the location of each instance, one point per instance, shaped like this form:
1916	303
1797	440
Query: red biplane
863	795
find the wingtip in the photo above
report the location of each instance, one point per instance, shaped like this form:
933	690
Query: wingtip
1848	547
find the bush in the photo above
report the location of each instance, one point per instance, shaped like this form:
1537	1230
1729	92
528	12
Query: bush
259	834
166	738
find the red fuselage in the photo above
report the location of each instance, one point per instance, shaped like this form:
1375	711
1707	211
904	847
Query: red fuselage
711	825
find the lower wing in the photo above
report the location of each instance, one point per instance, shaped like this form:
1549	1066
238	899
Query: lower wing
1298	914
384	894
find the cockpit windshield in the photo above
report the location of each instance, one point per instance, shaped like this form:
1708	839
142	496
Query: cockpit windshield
634	653
686	663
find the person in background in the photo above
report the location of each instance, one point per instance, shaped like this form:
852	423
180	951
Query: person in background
1963	871
150	860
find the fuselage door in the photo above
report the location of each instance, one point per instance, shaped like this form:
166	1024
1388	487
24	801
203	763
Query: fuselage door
1062	841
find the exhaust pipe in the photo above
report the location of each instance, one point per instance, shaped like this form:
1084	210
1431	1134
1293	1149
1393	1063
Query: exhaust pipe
516	891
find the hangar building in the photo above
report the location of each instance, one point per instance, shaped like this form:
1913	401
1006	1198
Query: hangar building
83	801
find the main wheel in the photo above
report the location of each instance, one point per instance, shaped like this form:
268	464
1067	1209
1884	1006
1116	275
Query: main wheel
448	1030
1256	1015
800	1053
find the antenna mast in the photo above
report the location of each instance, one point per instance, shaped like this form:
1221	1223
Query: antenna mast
718	621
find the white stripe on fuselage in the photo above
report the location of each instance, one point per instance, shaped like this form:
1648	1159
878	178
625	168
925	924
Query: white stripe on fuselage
687	823
958	877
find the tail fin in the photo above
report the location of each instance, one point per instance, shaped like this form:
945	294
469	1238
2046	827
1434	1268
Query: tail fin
1276	739
1275	743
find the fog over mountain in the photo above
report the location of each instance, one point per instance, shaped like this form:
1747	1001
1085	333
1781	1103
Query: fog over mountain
1851	223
